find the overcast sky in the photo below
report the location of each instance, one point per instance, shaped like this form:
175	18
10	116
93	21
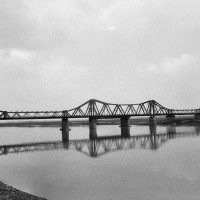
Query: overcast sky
58	54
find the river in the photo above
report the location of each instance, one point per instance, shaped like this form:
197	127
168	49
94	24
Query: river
166	169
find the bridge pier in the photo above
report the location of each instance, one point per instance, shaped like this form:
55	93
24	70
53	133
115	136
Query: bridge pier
93	128
152	126
125	128
65	130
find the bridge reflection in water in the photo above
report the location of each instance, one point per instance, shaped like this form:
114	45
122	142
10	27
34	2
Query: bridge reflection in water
102	145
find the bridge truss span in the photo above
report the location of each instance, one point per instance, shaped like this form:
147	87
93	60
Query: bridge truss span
99	109
31	115
96	108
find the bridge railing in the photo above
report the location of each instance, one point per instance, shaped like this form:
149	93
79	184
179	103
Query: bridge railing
184	111
31	114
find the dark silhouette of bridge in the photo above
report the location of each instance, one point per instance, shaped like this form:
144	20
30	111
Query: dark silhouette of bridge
95	109
100	109
99	147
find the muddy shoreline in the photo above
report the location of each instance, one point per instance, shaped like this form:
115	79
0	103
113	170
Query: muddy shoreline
9	193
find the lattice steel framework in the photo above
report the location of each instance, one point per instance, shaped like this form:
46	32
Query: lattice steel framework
100	109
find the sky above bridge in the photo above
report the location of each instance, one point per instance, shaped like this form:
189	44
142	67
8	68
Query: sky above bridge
55	55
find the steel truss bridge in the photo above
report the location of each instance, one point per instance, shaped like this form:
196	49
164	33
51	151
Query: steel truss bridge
100	146
100	109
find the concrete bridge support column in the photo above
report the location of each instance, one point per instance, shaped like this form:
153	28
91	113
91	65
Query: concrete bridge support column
152	126
125	128
93	128
65	130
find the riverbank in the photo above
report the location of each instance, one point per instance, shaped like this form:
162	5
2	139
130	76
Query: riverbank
10	193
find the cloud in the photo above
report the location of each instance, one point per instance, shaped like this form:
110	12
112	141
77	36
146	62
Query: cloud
112	28
14	56
99	49
174	65
16	65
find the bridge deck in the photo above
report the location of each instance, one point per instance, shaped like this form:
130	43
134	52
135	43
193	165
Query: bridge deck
99	109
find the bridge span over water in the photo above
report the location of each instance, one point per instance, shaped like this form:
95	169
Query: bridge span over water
100	109
95	109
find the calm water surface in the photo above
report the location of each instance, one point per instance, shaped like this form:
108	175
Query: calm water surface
168	170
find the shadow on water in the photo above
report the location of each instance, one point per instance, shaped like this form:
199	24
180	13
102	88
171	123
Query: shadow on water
104	145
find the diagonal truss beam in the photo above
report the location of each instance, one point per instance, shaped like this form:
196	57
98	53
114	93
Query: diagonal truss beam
100	109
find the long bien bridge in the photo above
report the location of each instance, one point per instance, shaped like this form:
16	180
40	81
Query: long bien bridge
95	109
